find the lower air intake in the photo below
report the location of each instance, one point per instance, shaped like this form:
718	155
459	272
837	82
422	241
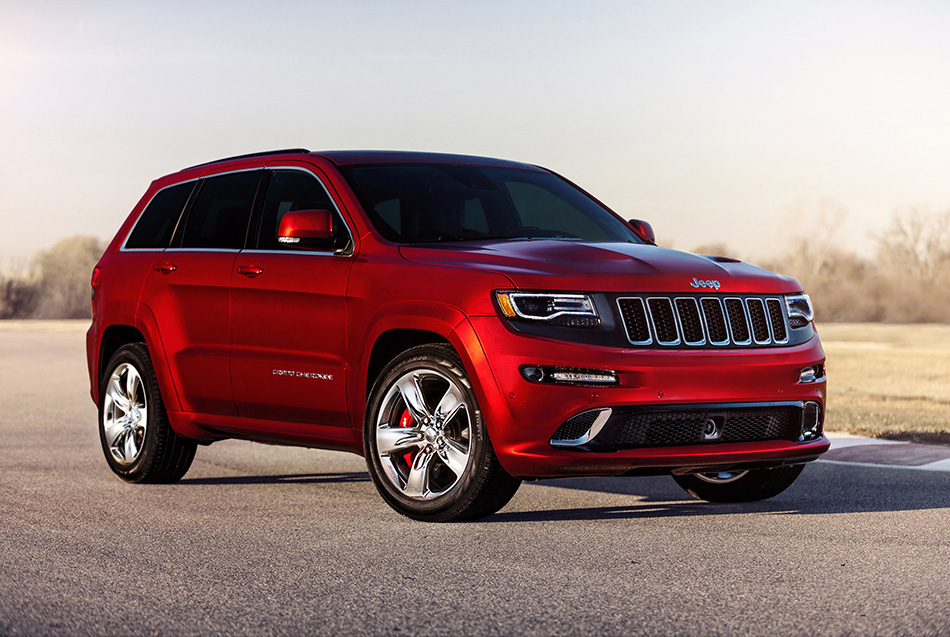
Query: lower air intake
686	427
576	427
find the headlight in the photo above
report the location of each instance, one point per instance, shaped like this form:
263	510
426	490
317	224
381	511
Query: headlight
571	310
800	312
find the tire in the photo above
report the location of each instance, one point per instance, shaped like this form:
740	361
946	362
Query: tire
427	448
739	486
137	440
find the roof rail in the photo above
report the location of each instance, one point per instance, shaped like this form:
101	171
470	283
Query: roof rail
284	151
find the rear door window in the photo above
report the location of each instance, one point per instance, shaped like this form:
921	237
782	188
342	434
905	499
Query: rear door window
155	227
222	209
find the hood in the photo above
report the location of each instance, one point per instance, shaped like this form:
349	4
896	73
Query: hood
543	264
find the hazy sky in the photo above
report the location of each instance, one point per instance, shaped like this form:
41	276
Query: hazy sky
715	121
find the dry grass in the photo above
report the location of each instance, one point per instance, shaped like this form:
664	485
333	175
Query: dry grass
888	381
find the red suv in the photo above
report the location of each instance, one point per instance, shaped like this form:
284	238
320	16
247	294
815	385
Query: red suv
464	323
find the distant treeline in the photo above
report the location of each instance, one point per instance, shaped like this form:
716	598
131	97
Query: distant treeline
905	280
56	283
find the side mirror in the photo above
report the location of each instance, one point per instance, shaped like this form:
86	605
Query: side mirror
307	229
644	230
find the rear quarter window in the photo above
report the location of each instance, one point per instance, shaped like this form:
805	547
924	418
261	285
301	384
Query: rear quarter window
155	227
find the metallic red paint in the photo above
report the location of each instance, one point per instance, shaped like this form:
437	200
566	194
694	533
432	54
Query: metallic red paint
221	341
306	224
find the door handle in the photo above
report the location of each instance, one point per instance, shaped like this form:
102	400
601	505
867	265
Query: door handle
250	270
166	268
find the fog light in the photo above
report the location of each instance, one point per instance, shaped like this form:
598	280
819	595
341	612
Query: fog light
569	375
534	374
811	421
812	374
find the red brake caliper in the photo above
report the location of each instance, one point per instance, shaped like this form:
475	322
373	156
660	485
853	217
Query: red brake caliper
406	421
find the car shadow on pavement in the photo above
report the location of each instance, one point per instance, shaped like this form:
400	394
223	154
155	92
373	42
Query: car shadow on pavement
297	478
822	489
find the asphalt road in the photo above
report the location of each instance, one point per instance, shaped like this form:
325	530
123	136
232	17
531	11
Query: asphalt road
270	540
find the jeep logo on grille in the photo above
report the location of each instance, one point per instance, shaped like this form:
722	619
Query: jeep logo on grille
704	284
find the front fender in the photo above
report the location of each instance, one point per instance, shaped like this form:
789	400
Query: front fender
436	318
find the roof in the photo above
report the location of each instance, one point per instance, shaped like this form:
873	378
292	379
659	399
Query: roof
355	157
351	157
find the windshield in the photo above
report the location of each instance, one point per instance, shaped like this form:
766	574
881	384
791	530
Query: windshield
410	203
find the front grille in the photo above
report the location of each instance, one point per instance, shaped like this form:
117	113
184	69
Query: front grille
686	427
685	321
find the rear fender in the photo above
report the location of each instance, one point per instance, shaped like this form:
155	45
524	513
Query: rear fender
146	324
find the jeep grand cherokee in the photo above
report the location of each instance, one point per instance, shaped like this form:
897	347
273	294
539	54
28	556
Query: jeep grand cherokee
464	323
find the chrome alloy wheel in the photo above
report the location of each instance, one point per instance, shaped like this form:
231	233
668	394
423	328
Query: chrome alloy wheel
125	415
423	434
722	477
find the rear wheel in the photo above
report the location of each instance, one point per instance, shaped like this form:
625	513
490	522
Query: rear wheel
137	440
739	486
427	448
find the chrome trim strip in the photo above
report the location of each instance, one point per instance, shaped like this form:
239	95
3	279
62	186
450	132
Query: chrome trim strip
745	316
336	208
235	250
675	322
318	253
595	428
679	318
784	318
349	231
725	320
646	317
765	316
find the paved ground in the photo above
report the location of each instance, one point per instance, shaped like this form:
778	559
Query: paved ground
867	451
269	540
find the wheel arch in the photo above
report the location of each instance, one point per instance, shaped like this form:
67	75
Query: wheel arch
397	328
391	344
114	337
145	331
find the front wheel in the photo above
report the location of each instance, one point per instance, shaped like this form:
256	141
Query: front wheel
739	486
137	440
427	448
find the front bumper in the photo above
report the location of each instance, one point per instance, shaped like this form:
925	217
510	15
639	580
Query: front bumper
522	416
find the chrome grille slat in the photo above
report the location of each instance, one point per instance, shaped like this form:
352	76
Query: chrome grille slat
715	321
758	321
777	320
738	321
635	322
664	321
709	321
692	325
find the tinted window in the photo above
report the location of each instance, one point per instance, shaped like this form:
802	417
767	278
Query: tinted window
155	227
295	190
417	203
220	214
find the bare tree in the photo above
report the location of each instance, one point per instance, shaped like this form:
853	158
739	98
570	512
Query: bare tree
810	233
917	244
